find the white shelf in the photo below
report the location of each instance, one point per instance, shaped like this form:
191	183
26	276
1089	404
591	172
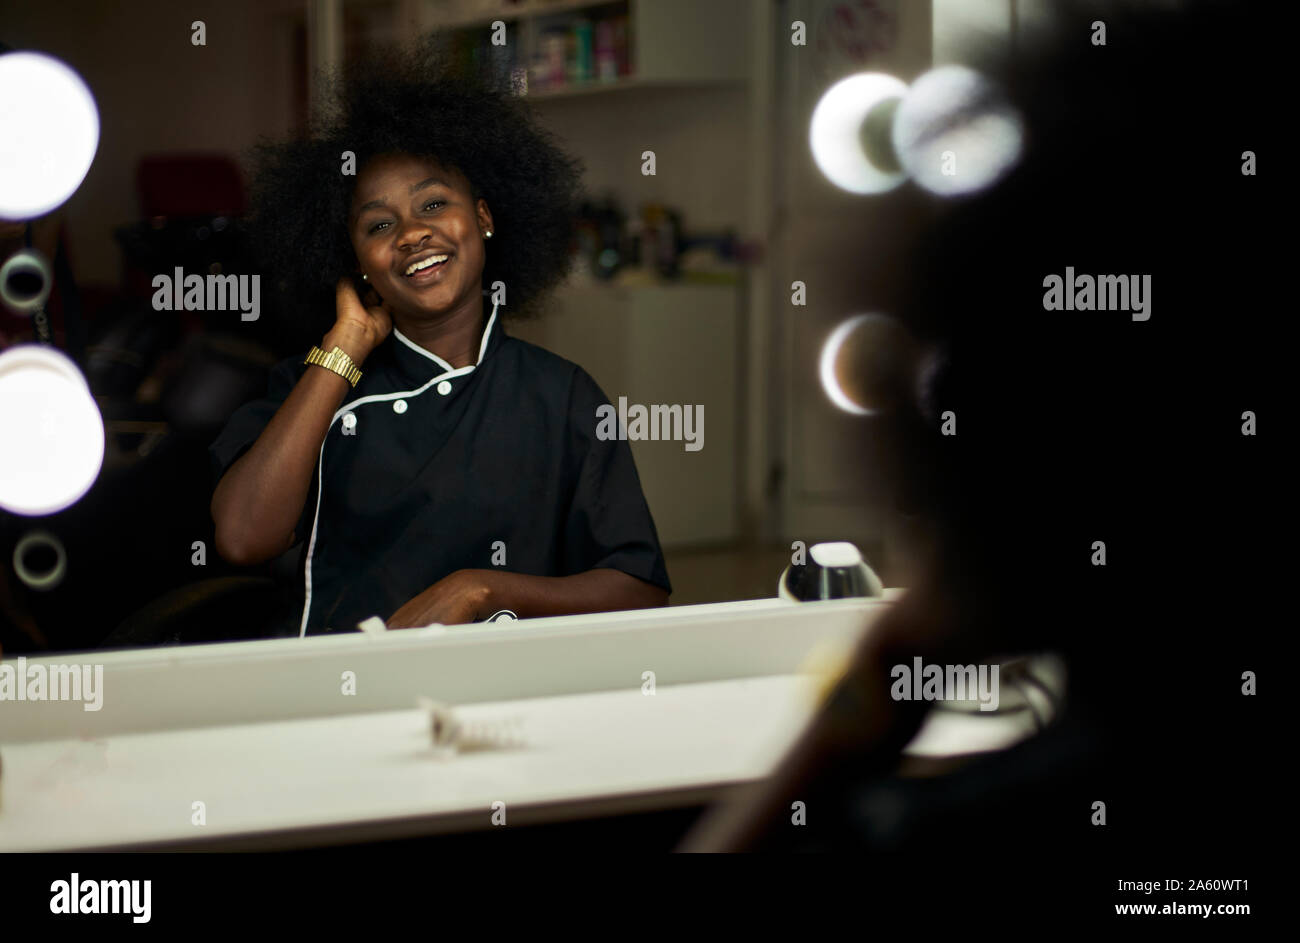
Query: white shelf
466	14
274	784
670	41
630	84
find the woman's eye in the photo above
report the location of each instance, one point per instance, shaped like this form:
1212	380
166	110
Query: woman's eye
378	226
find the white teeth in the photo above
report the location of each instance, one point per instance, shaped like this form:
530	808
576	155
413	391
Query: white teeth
425	263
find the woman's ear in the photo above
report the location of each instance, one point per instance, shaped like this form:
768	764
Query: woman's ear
484	217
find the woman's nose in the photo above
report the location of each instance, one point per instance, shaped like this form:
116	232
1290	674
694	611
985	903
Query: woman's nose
413	234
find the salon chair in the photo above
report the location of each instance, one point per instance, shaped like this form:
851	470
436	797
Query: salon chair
222	609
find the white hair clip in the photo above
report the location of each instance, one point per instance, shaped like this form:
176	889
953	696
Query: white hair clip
451	733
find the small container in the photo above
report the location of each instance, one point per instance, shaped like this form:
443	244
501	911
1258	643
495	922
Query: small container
606	57
833	571
554	48
621	46
582	58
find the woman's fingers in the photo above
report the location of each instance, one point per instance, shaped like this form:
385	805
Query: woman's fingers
372	313
382	318
347	304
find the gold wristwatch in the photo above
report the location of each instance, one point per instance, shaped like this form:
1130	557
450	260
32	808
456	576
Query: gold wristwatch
337	361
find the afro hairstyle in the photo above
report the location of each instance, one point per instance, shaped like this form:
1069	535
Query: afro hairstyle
411	100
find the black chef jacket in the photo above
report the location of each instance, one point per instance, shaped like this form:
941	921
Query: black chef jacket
427	467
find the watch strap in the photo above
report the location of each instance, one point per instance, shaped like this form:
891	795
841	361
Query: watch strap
337	361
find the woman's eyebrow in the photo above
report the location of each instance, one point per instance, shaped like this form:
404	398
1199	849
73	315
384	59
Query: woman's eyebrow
428	183
380	204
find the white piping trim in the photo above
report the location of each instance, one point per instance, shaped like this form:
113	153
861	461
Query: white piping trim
420	350
482	344
379	398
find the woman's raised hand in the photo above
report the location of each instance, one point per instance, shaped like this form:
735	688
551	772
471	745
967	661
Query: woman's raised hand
359	327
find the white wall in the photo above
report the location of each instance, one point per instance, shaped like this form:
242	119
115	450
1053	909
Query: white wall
698	136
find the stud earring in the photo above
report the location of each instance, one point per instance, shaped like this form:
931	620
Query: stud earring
364	277
488	234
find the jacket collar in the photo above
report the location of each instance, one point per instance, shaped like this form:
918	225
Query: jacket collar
421	363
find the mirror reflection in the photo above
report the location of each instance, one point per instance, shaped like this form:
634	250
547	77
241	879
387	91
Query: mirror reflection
736	425
412	314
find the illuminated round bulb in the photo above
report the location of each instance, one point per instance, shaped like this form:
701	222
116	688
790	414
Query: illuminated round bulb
51	131
865	364
955	133
850	133
51	431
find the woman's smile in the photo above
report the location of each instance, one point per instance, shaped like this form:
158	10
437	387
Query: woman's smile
425	268
417	231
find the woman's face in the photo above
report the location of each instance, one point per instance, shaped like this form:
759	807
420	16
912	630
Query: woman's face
407	210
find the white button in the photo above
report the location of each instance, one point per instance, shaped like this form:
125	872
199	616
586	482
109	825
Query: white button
349	420
399	406
444	387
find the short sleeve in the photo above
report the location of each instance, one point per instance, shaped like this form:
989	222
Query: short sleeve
248	421
608	524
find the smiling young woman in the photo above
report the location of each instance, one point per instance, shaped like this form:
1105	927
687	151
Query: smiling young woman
433	468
